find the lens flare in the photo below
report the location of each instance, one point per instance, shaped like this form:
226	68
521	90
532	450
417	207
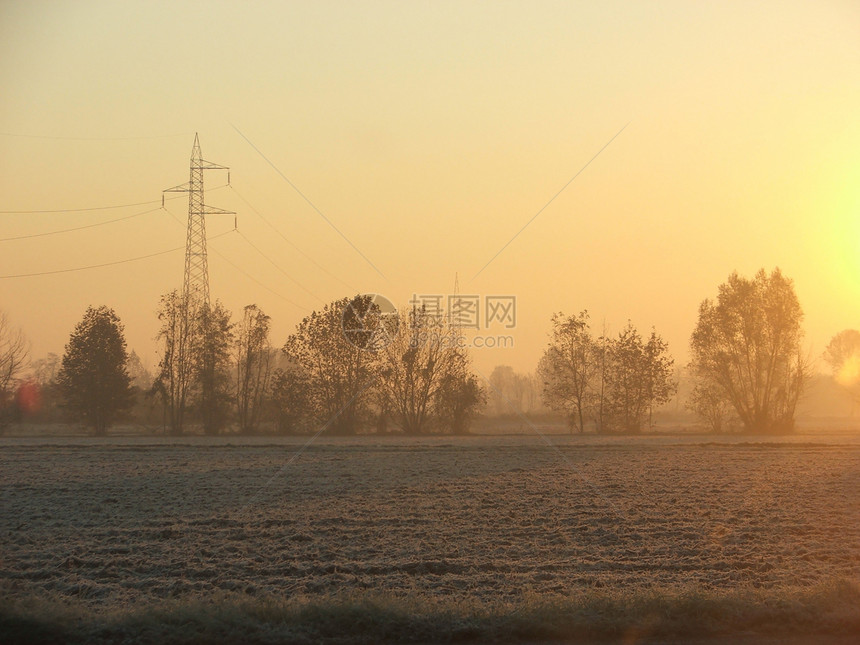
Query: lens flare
29	397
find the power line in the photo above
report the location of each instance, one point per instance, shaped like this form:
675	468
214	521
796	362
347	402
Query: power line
105	264
287	240
551	200
310	203
48	136
238	268
253	279
98	208
274	264
80	210
78	228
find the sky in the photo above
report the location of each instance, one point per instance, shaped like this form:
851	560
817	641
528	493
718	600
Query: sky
619	157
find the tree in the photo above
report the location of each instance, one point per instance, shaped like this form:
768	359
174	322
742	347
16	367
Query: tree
177	314
568	368
661	384
414	366
140	376
43	390
212	364
512	393
639	375
253	366
502	380
93	377
291	396
339	369
746	345
709	402
843	356
13	357
458	400
45	370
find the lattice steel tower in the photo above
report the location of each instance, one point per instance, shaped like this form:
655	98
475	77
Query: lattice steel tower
196	263
455	310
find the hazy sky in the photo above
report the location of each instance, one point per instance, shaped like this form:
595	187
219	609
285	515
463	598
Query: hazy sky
429	133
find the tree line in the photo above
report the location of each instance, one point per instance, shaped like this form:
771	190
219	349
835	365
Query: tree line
746	362
613	383
349	368
346	368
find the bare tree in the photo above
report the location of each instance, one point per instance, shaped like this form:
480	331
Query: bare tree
177	314
13	357
568	368
638	376
501	391
617	382
660	374
415	365
141	378
253	366
212	366
45	369
709	402
13	353
510	392
746	344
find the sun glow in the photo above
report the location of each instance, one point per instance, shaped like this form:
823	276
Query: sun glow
849	373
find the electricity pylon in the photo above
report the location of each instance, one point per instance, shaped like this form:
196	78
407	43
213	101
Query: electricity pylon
196	263
454	310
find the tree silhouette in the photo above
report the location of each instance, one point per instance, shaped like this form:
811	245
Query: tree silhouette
178	337
746	344
13	357
843	356
424	376
615	381
709	402
292	399
459	398
253	366
212	362
638	376
339	369
93	377
568	368
414	366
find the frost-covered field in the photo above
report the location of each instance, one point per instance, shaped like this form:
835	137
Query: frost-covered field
492	522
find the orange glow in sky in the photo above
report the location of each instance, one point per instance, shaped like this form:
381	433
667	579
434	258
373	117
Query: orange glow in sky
429	134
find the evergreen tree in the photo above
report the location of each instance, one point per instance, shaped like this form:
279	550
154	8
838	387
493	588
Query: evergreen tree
93	378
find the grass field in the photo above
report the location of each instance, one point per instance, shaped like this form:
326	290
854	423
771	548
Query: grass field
367	540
